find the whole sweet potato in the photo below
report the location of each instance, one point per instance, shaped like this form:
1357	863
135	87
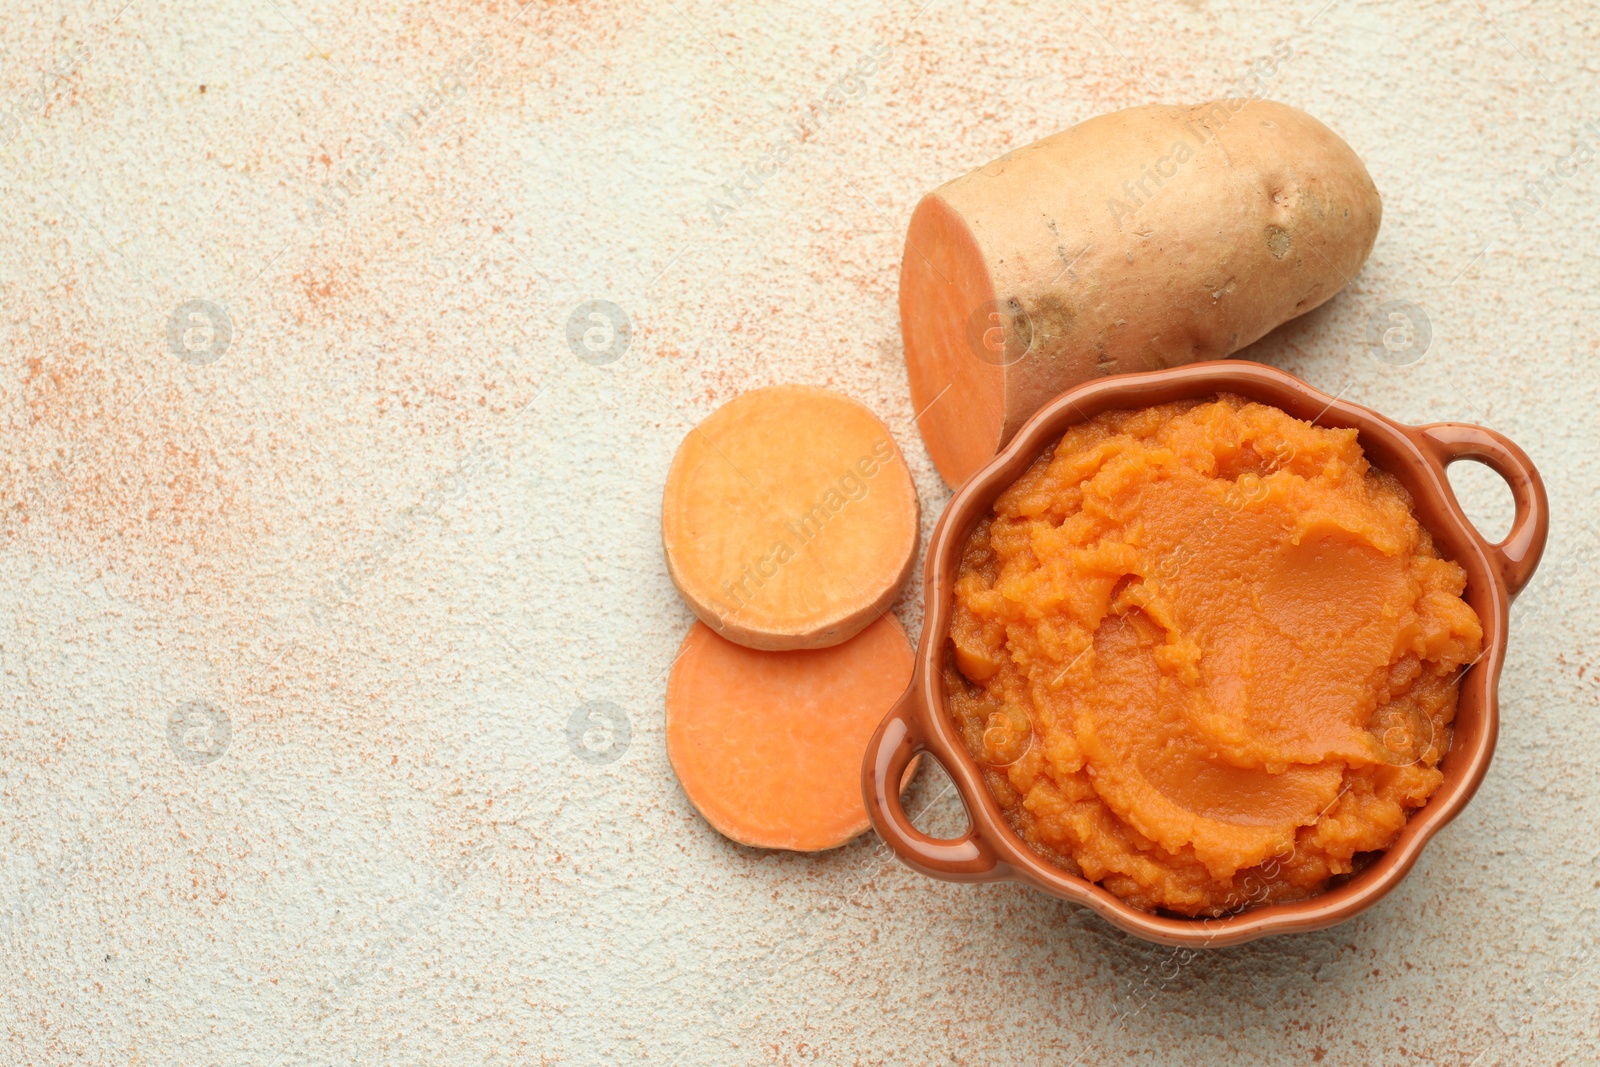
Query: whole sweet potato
1145	238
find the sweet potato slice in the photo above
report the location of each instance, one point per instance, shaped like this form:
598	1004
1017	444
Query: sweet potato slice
768	745
789	518
1146	238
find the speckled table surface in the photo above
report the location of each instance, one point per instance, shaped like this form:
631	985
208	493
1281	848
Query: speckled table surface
335	626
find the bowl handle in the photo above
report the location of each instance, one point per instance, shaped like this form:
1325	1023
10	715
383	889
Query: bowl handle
896	743
1518	553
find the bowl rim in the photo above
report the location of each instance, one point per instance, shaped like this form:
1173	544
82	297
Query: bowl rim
1416	455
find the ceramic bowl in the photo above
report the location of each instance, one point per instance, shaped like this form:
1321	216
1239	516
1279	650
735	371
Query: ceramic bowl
1416	455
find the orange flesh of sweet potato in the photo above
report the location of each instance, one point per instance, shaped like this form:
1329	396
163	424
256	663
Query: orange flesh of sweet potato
1146	238
768	745
789	519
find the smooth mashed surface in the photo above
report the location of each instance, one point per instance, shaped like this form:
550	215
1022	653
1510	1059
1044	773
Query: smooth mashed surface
1207	656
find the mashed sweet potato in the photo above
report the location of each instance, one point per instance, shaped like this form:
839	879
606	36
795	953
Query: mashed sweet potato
1207	656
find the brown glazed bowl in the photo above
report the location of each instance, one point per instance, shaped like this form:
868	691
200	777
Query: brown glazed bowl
1416	455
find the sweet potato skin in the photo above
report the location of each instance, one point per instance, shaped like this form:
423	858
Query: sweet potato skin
1146	238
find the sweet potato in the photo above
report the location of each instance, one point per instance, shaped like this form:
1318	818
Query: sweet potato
789	518
1145	238
768	745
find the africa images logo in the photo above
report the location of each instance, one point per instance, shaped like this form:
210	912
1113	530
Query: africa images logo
198	732
199	332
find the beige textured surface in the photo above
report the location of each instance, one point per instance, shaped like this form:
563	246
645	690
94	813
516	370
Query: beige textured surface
400	535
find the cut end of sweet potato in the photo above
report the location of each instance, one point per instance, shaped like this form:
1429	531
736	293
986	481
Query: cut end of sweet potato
789	518
958	340
768	745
